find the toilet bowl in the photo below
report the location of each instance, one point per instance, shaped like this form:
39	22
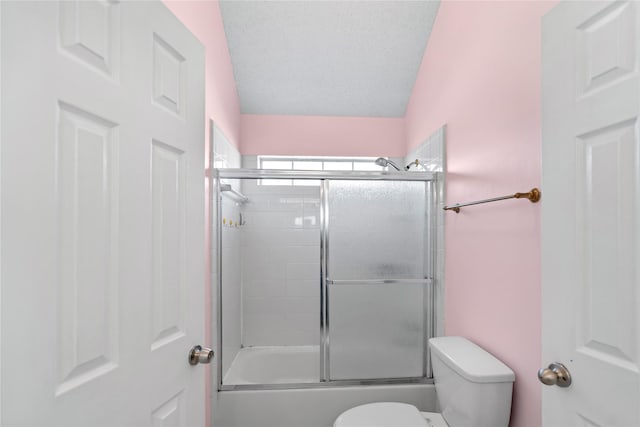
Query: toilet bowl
473	388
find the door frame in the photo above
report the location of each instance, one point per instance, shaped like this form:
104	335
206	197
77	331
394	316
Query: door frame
1	145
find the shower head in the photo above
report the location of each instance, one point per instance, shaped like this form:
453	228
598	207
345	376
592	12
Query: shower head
381	161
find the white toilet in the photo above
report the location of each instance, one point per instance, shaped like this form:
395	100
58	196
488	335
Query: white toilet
473	387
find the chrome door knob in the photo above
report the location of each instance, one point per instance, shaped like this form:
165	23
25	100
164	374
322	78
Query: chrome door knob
555	374
199	354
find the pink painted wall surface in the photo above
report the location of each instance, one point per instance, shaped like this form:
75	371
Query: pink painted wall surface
222	105
322	136
480	76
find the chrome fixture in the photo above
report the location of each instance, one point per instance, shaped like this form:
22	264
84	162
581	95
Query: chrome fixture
555	374
416	162
227	188
199	354
372	282
326	175
381	161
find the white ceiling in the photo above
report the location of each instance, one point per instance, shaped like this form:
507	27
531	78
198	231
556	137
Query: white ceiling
329	58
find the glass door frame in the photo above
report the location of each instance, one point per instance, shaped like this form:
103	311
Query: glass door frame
430	327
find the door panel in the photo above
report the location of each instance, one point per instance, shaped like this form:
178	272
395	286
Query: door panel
591	235
102	215
376	330
87	248
378	279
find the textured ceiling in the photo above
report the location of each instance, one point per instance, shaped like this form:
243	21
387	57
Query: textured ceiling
329	58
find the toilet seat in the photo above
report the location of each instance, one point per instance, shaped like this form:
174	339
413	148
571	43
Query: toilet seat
388	414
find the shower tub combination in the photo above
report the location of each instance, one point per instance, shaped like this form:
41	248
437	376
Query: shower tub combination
326	296
274	365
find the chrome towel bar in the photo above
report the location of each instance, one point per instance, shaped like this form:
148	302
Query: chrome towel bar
226	188
380	282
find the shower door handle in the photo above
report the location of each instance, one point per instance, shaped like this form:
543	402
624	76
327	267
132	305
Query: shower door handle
199	354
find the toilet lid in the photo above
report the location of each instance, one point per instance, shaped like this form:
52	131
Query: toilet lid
382	414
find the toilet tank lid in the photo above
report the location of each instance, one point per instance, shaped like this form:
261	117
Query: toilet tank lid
470	360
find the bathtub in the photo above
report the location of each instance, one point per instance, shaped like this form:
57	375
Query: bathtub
313	405
275	365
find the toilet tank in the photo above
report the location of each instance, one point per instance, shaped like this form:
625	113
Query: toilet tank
473	387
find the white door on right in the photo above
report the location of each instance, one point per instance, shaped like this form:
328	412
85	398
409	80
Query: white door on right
591	212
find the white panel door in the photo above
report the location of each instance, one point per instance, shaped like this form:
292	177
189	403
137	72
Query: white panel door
102	215
591	212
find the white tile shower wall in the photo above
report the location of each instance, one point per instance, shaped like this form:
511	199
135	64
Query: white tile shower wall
225	155
430	153
281	264
431	156
231	284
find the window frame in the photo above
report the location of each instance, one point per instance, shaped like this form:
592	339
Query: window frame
323	160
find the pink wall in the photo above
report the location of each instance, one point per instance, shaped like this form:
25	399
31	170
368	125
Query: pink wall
480	76
322	136
222	106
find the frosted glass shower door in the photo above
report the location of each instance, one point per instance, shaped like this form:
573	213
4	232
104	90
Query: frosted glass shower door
377	287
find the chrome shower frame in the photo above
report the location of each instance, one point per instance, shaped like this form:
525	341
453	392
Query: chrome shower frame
430	297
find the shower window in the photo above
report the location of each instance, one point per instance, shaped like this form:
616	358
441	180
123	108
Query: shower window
327	284
313	164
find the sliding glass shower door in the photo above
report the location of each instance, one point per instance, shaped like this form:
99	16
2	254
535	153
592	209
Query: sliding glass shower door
328	283
376	280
